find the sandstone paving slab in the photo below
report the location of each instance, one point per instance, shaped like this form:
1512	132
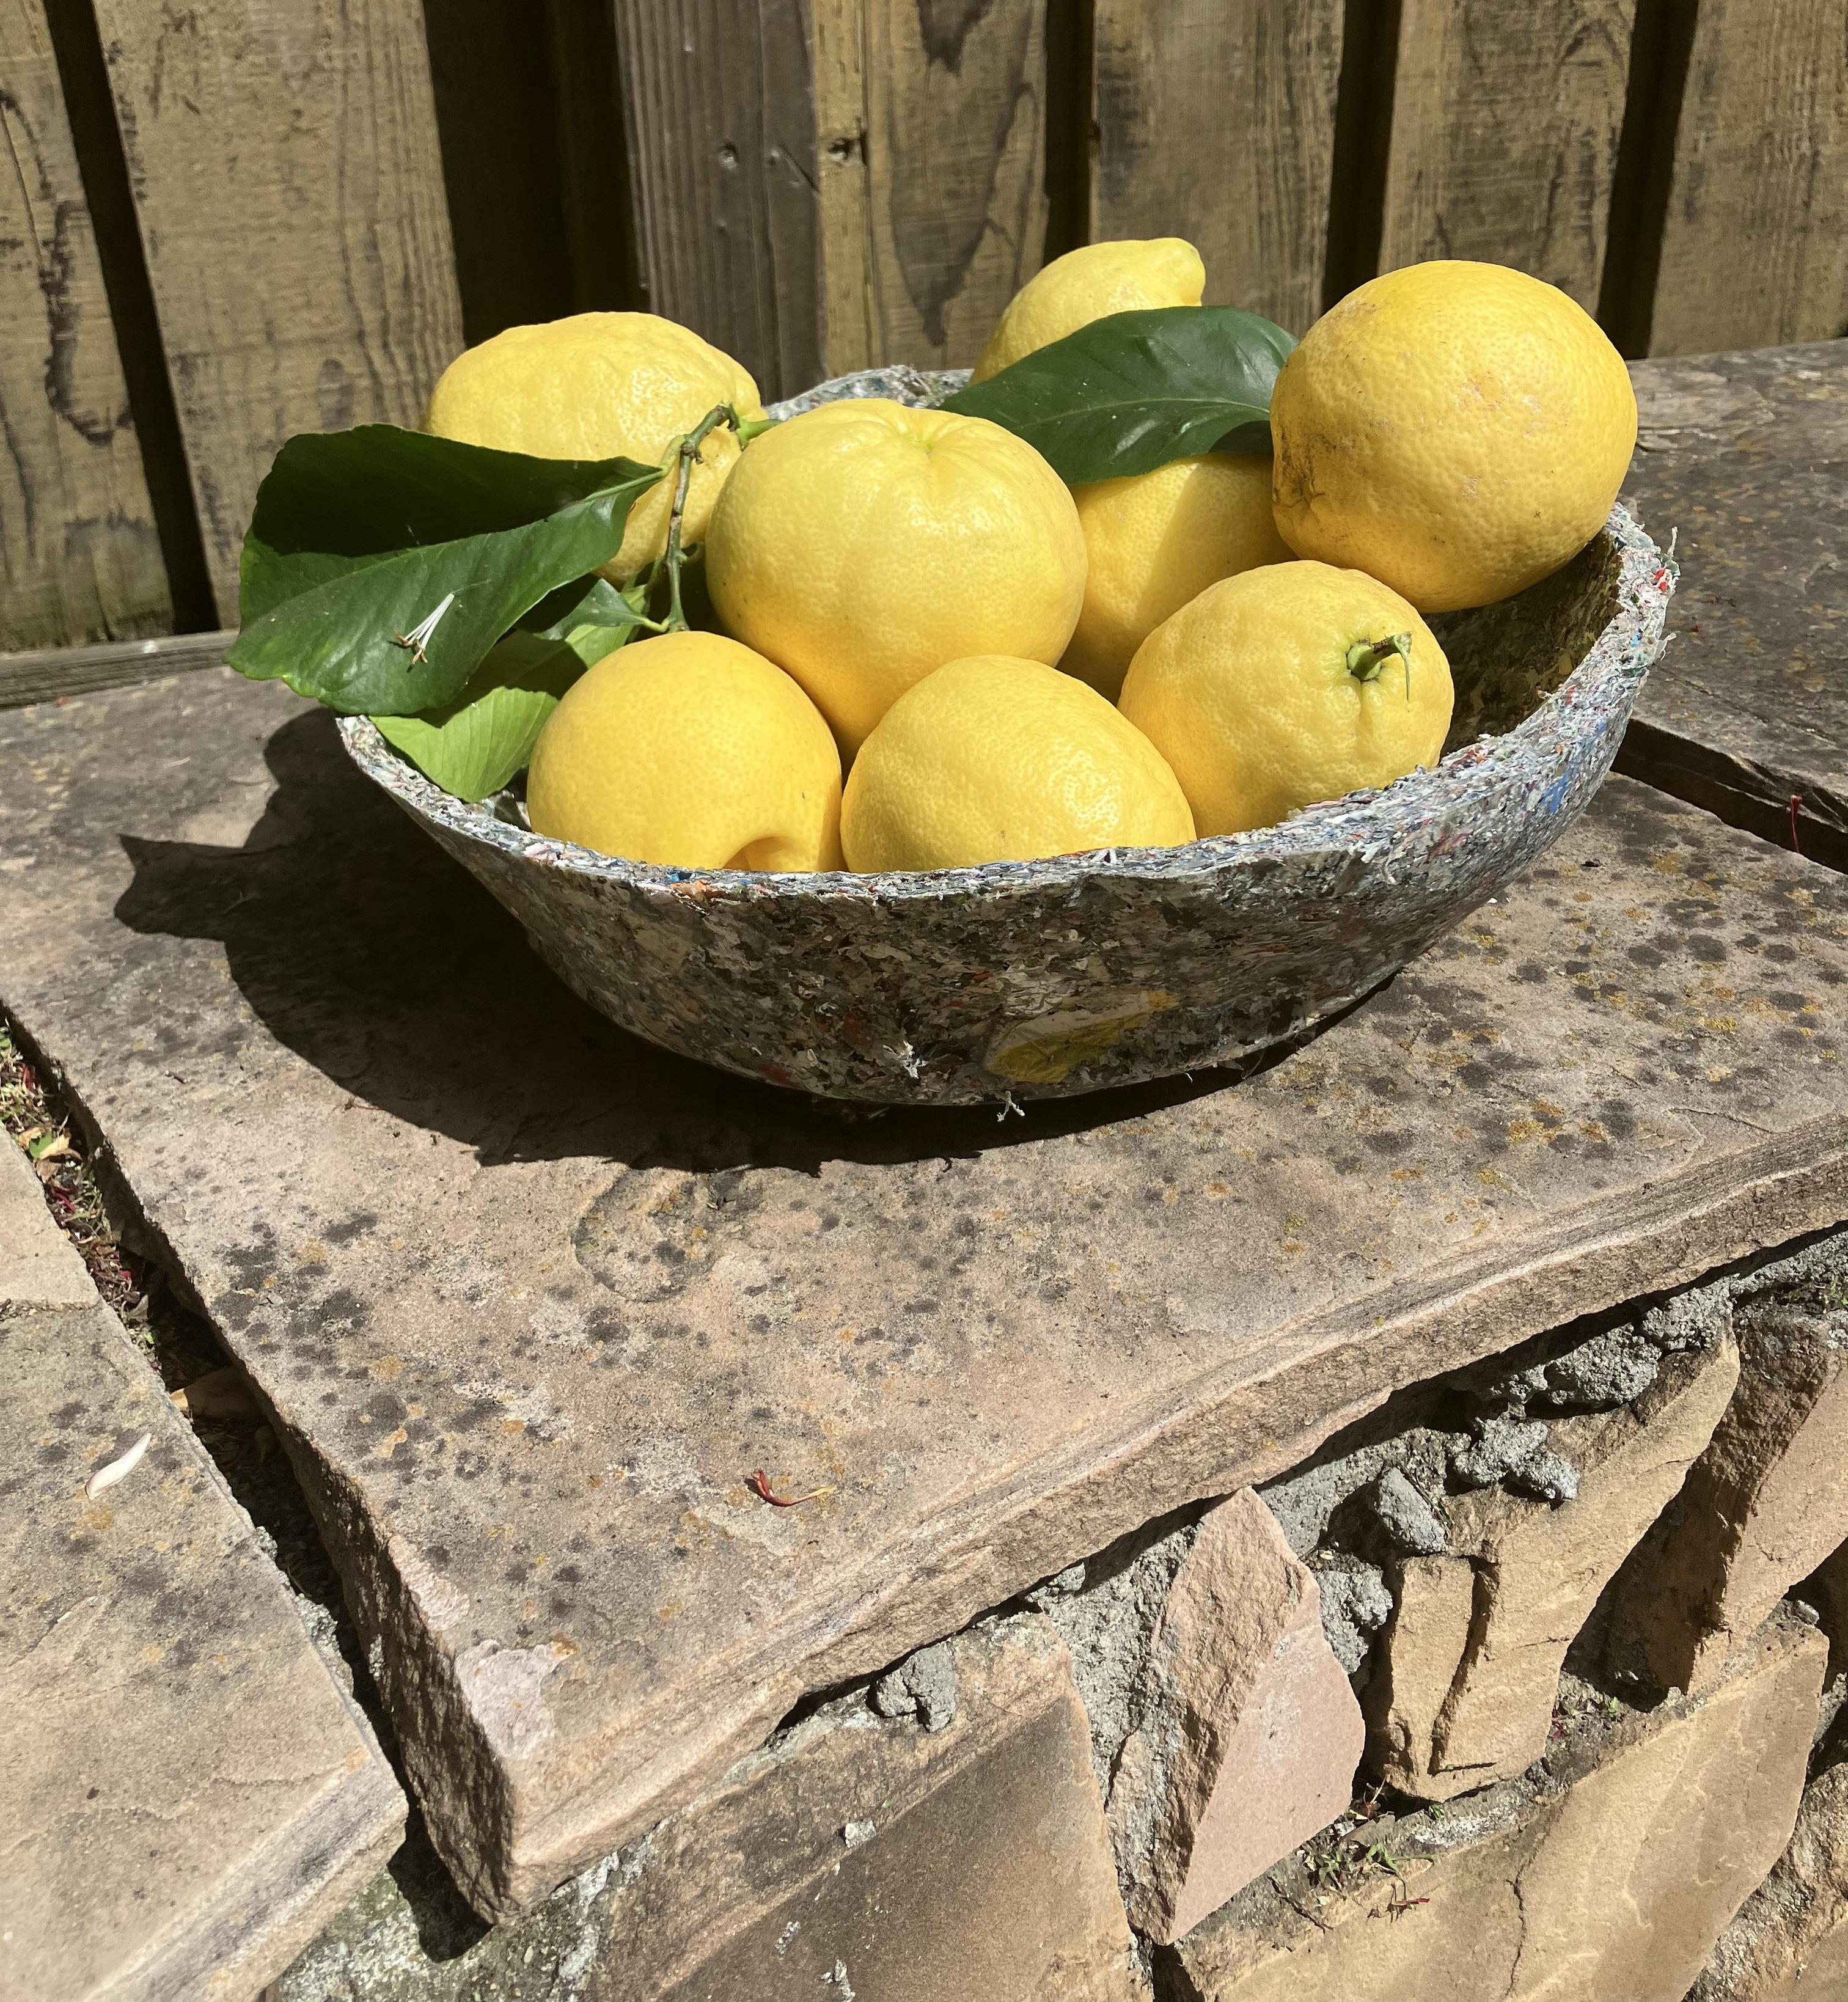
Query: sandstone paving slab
1746	455
186	1796
1607	1871
40	1267
532	1301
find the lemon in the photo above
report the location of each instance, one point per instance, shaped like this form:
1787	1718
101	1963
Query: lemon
1086	284
601	385
994	759
1286	685
862	544
1457	430
1156	539
690	751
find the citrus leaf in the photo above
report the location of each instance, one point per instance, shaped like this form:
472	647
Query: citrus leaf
472	746
1131	391
335	500
396	634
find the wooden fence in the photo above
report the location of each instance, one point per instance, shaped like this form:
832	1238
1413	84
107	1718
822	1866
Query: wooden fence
230	220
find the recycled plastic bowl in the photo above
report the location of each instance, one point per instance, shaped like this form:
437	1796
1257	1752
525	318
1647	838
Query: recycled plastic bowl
1042	979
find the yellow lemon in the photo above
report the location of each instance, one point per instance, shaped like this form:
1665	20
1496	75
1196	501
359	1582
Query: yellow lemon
1286	685
1156	539
863	544
994	759
1457	430
601	385
690	751
1086	284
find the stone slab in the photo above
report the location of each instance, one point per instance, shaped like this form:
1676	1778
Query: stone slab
532	1301
1746	455
40	1267
187	1796
1606	1873
1472	1656
1790	1937
1249	1735
1766	1503
856	1854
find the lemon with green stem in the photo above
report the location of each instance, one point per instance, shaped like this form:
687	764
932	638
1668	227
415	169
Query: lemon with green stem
1286	685
603	385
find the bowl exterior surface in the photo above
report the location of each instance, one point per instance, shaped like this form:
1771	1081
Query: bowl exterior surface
1047	979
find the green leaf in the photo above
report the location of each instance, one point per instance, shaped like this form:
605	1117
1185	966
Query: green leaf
1131	391
334	500
396	634
471	746
590	602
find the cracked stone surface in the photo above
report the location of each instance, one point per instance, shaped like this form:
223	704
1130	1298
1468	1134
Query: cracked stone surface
1767	1501
186	1797
852	1855
1790	1938
1608	1874
1471	1660
530	1301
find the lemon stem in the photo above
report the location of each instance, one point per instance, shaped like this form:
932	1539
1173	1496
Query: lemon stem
685	458
1366	657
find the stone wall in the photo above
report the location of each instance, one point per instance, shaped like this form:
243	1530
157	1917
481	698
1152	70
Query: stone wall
1529	1684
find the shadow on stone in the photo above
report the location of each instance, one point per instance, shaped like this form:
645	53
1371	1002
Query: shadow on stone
363	950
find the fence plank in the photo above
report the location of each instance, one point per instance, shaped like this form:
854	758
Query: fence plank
79	554
66	670
932	120
1505	125
1215	120
1755	244
284	158
720	120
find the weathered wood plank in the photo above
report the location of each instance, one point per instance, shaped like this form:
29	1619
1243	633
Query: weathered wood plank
1505	124
284	158
1755	242
79	556
55	671
1746	713
498	118
931	115
721	132
1214	119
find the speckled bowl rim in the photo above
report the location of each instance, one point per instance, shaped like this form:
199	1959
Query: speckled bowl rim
1361	823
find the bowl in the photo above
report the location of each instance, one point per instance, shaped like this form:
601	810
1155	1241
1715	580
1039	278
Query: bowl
1044	979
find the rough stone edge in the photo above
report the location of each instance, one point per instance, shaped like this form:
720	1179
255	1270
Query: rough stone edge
43	1268
960	1570
365	1817
1499	1810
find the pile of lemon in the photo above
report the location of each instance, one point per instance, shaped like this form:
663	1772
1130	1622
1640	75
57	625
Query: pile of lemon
1007	668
